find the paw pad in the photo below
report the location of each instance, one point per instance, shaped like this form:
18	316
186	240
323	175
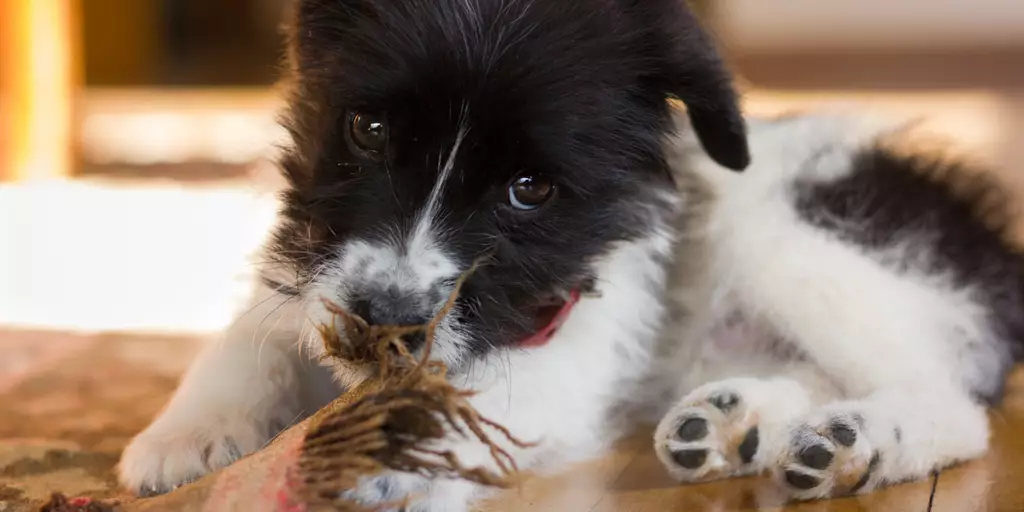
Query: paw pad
843	433
693	429
800	480
815	456
690	459
867	474
725	402
748	448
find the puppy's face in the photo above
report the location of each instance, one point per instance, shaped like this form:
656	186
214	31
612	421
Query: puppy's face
428	134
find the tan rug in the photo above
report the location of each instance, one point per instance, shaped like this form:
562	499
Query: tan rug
70	403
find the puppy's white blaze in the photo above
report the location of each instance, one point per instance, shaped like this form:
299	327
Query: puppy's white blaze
415	268
421	236
424	259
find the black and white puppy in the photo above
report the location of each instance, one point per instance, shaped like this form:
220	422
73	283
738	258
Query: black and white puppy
836	314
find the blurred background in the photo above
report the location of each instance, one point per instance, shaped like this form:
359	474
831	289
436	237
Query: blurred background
136	135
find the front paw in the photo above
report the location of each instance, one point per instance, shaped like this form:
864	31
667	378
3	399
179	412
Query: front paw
164	456
405	492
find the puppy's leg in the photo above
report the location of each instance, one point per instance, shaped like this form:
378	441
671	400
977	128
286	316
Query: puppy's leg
235	397
814	445
903	342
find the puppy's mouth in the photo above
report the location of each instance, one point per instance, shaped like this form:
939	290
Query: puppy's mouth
549	316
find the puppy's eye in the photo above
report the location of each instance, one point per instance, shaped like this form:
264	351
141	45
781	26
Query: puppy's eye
530	191
369	132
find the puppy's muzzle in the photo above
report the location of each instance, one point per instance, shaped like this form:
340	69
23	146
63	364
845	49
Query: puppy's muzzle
394	308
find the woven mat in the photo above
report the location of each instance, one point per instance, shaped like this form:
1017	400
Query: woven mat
69	404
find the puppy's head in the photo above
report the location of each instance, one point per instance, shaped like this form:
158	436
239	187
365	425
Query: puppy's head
427	133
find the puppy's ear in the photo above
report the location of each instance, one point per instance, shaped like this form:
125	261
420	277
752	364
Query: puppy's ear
690	69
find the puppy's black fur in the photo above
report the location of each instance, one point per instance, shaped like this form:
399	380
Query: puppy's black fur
959	213
575	91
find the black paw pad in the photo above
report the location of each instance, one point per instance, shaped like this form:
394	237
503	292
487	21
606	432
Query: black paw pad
867	474
800	480
690	459
725	402
748	448
815	456
693	429
843	433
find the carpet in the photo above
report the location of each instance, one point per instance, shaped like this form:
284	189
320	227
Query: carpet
70	403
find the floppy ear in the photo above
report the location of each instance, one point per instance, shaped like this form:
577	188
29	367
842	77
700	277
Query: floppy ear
690	69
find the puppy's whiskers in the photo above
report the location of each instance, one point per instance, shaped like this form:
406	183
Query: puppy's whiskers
270	331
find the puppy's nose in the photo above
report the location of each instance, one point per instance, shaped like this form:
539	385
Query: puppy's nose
390	308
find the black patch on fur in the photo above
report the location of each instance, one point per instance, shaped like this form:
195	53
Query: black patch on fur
960	216
748	448
573	90
693	429
690	459
898	434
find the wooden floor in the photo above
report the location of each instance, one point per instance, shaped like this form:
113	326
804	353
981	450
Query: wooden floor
632	480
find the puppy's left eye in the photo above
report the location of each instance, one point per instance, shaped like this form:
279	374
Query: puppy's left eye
369	132
530	191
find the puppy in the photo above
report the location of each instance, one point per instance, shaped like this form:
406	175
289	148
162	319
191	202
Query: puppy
629	265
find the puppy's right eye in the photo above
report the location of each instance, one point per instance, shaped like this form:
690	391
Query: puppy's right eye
369	132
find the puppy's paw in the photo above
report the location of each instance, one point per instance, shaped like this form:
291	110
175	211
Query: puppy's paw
829	456
405	492
712	433
165	456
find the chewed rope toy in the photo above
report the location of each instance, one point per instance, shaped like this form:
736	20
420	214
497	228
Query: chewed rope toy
395	418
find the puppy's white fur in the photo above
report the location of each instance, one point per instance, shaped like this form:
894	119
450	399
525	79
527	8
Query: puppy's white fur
876	346
884	340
